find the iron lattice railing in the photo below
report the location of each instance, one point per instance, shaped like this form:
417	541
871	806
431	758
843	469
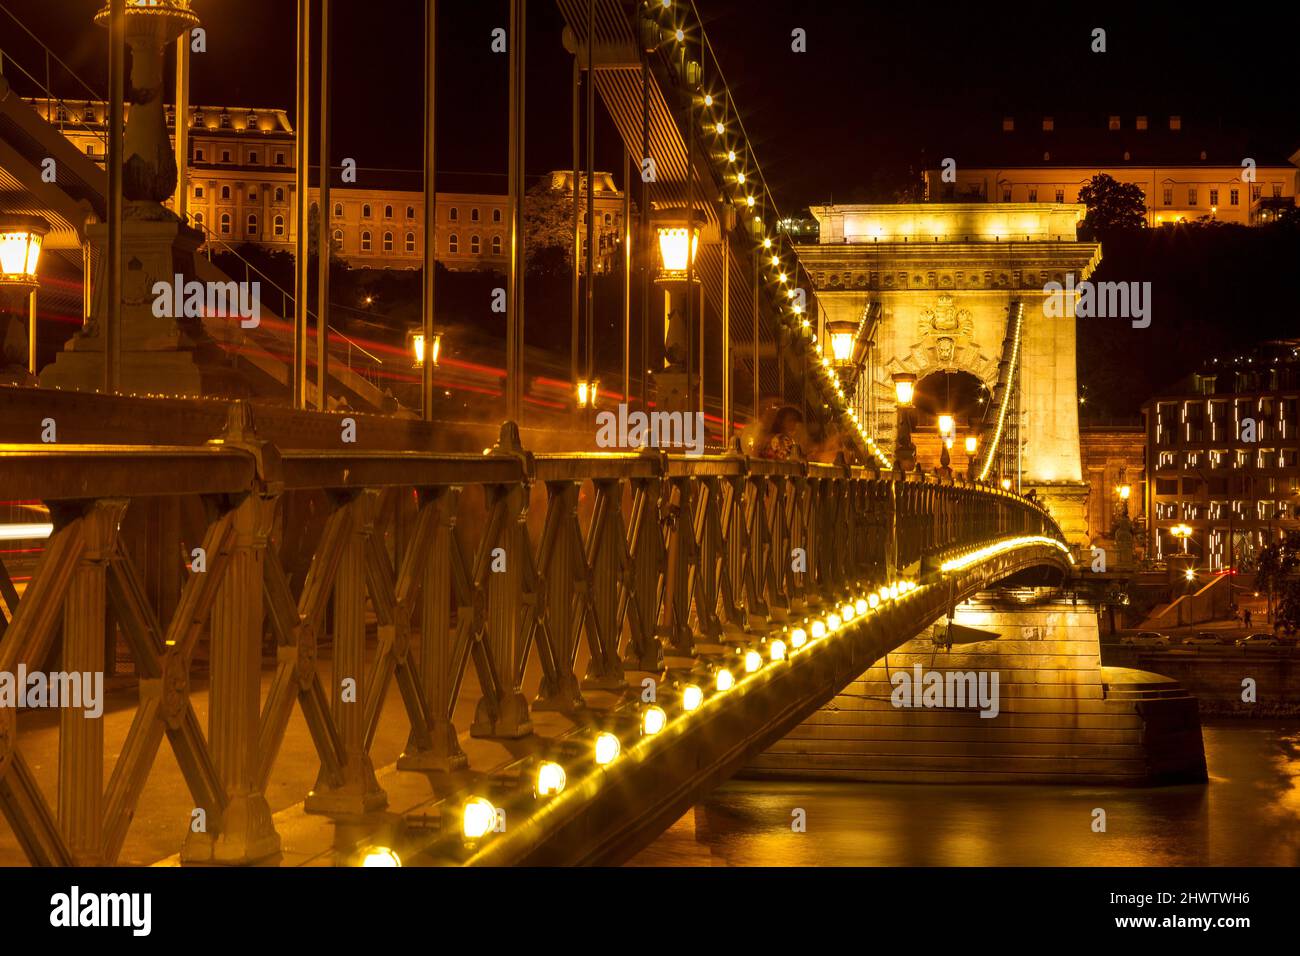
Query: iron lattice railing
501	560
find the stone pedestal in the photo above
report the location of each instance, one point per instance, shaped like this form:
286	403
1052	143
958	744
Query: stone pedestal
1068	502
672	393
162	355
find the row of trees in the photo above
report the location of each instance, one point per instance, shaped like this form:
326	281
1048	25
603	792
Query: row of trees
1276	577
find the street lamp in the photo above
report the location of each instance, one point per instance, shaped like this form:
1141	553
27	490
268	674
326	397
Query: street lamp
972	444
1182	532
904	449
587	392
844	340
21	238
904	387
679	242
416	340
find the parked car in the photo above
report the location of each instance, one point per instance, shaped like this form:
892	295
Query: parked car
1201	638
1258	640
1146	639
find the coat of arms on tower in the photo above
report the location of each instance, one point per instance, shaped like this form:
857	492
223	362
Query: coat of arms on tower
946	320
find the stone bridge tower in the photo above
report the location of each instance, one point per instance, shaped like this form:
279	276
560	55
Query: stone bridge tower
939	283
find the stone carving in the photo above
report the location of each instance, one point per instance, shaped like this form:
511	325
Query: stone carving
946	320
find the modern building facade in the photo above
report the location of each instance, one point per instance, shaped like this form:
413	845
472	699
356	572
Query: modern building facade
1185	171
1224	458
242	189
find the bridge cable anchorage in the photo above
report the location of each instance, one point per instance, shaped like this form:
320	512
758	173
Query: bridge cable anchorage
1006	382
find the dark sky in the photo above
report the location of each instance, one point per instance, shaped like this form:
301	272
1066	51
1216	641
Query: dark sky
881	86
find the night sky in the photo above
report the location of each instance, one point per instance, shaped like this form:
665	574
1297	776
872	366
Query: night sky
881	87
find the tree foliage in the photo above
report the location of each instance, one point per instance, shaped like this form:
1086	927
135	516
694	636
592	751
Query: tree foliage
1113	207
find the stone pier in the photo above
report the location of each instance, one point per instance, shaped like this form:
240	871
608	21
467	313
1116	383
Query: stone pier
1060	716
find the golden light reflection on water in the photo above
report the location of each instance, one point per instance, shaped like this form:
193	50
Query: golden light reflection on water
1247	815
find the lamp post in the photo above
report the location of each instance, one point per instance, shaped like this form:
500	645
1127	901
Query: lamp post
21	238
415	342
1182	532
679	241
904	449
972	448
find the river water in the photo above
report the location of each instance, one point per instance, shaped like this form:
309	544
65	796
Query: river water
1247	815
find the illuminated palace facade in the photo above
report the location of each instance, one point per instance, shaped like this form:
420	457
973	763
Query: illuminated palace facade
1224	457
1185	172
241	189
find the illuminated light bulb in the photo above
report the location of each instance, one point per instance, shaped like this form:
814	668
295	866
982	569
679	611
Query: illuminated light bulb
550	779
653	720
478	818
848	612
798	638
884	594
767	243
861	606
777	651
797	309
681	35
607	749
708	99
749	201
381	856
818	630
719	128
893	591
724	681
783	278
776	260
731	155
753	661
740	178
692	697
833	622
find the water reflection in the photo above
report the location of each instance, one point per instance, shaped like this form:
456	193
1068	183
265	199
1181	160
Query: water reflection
1248	815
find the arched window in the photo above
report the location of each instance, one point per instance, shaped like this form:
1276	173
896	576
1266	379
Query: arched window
365	211
388	212
453	244
473	214
410	212
365	241
277	225
252	224
225	223
496	215
198	219
279	194
252	195
225	121
388	242
496	245
225	192
608	219
338	210
338	238
410	242
453	214
474	245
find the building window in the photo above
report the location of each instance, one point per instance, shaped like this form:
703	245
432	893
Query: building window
474	245
1214	197
198	219
453	214
1060	195
277	225
198	154
279	194
1141	122
609	220
1191	195
252	158
1255	192
252	224
1175	122
365	211
225	192
496	245
496	215
225	223
410	212
338	238
1008	124
89	115
388	242
225	121
1113	123
1006	194
388	212
90	149
225	155
252	195
198	192
453	244
1233	196
1169	195
279	159
1033	197
338	210
365	241
410	242
1048	124
473	214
